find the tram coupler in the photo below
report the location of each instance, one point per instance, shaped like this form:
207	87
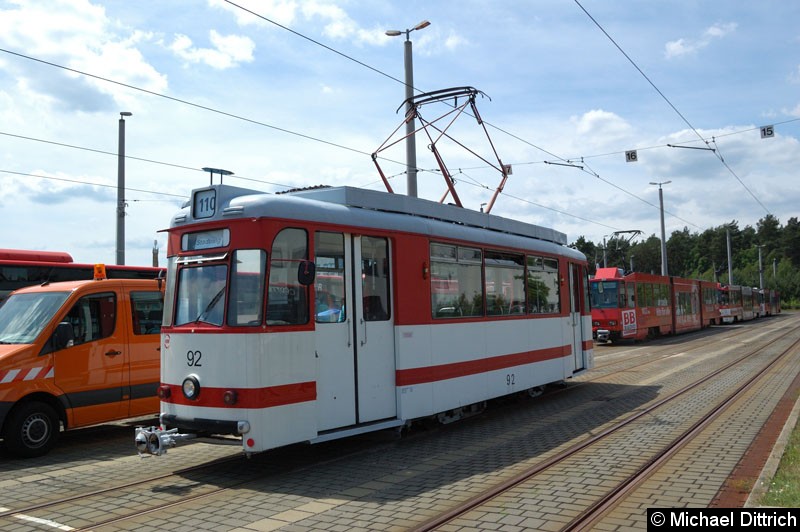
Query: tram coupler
156	440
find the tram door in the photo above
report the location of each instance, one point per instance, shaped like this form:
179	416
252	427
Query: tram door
576	304
354	330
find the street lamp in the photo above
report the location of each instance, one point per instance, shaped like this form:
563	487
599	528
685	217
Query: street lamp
663	233
411	146
121	189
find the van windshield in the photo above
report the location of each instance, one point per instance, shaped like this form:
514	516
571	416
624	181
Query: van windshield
23	316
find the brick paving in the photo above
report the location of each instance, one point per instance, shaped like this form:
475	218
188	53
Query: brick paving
397	485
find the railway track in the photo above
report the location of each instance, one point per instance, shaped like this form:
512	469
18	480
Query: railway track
413	483
624	488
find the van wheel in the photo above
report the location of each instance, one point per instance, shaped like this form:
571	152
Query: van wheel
31	430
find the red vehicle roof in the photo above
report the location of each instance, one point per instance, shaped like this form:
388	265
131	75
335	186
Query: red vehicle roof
608	273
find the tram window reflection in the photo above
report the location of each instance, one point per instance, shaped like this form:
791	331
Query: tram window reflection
330	299
248	270
201	294
375	278
287	299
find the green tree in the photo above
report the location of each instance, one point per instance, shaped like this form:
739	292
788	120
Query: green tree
705	255
790	242
769	233
589	249
679	253
647	255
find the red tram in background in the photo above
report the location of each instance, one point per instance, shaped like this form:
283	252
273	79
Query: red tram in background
319	314
640	305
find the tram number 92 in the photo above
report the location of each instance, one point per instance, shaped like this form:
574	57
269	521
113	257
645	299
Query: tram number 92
193	358
510	379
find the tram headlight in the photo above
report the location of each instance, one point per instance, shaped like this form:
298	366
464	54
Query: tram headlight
612	323
191	387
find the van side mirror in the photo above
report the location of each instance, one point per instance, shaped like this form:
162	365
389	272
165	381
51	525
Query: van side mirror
306	272
63	336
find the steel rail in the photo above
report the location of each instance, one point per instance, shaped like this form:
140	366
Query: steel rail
526	475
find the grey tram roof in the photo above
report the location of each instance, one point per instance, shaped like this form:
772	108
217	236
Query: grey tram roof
381	210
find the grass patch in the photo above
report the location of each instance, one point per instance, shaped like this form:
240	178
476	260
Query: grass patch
784	489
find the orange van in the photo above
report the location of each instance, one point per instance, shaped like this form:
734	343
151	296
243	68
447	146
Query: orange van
74	354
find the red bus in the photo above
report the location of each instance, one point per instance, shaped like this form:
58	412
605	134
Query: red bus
20	268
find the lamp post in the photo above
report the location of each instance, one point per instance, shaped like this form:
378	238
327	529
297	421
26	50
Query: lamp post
663	233
121	189
411	145
730	256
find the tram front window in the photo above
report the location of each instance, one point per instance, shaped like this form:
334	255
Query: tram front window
201	294
604	294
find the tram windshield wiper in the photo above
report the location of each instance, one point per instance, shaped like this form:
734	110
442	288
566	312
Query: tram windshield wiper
211	305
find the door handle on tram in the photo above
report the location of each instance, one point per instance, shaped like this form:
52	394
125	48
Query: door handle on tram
349	339
113	353
364	341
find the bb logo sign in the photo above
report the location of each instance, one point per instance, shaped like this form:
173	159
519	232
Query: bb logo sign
628	322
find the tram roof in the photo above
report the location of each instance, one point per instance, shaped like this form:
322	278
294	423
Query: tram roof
398	203
359	207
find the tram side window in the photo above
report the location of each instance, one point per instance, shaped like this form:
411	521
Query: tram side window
147	309
329	294
644	294
685	304
93	317
708	296
287	299
246	301
661	293
456	289
505	288
543	286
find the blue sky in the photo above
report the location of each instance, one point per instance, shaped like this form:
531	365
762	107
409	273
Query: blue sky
299	93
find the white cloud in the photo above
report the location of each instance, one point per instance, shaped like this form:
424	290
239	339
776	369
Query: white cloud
281	11
228	50
454	41
720	30
601	127
338	24
76	34
685	46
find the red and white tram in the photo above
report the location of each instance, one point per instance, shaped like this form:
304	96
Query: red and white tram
324	313
730	303
642	305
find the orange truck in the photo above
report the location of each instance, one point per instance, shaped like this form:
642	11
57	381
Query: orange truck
74	354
